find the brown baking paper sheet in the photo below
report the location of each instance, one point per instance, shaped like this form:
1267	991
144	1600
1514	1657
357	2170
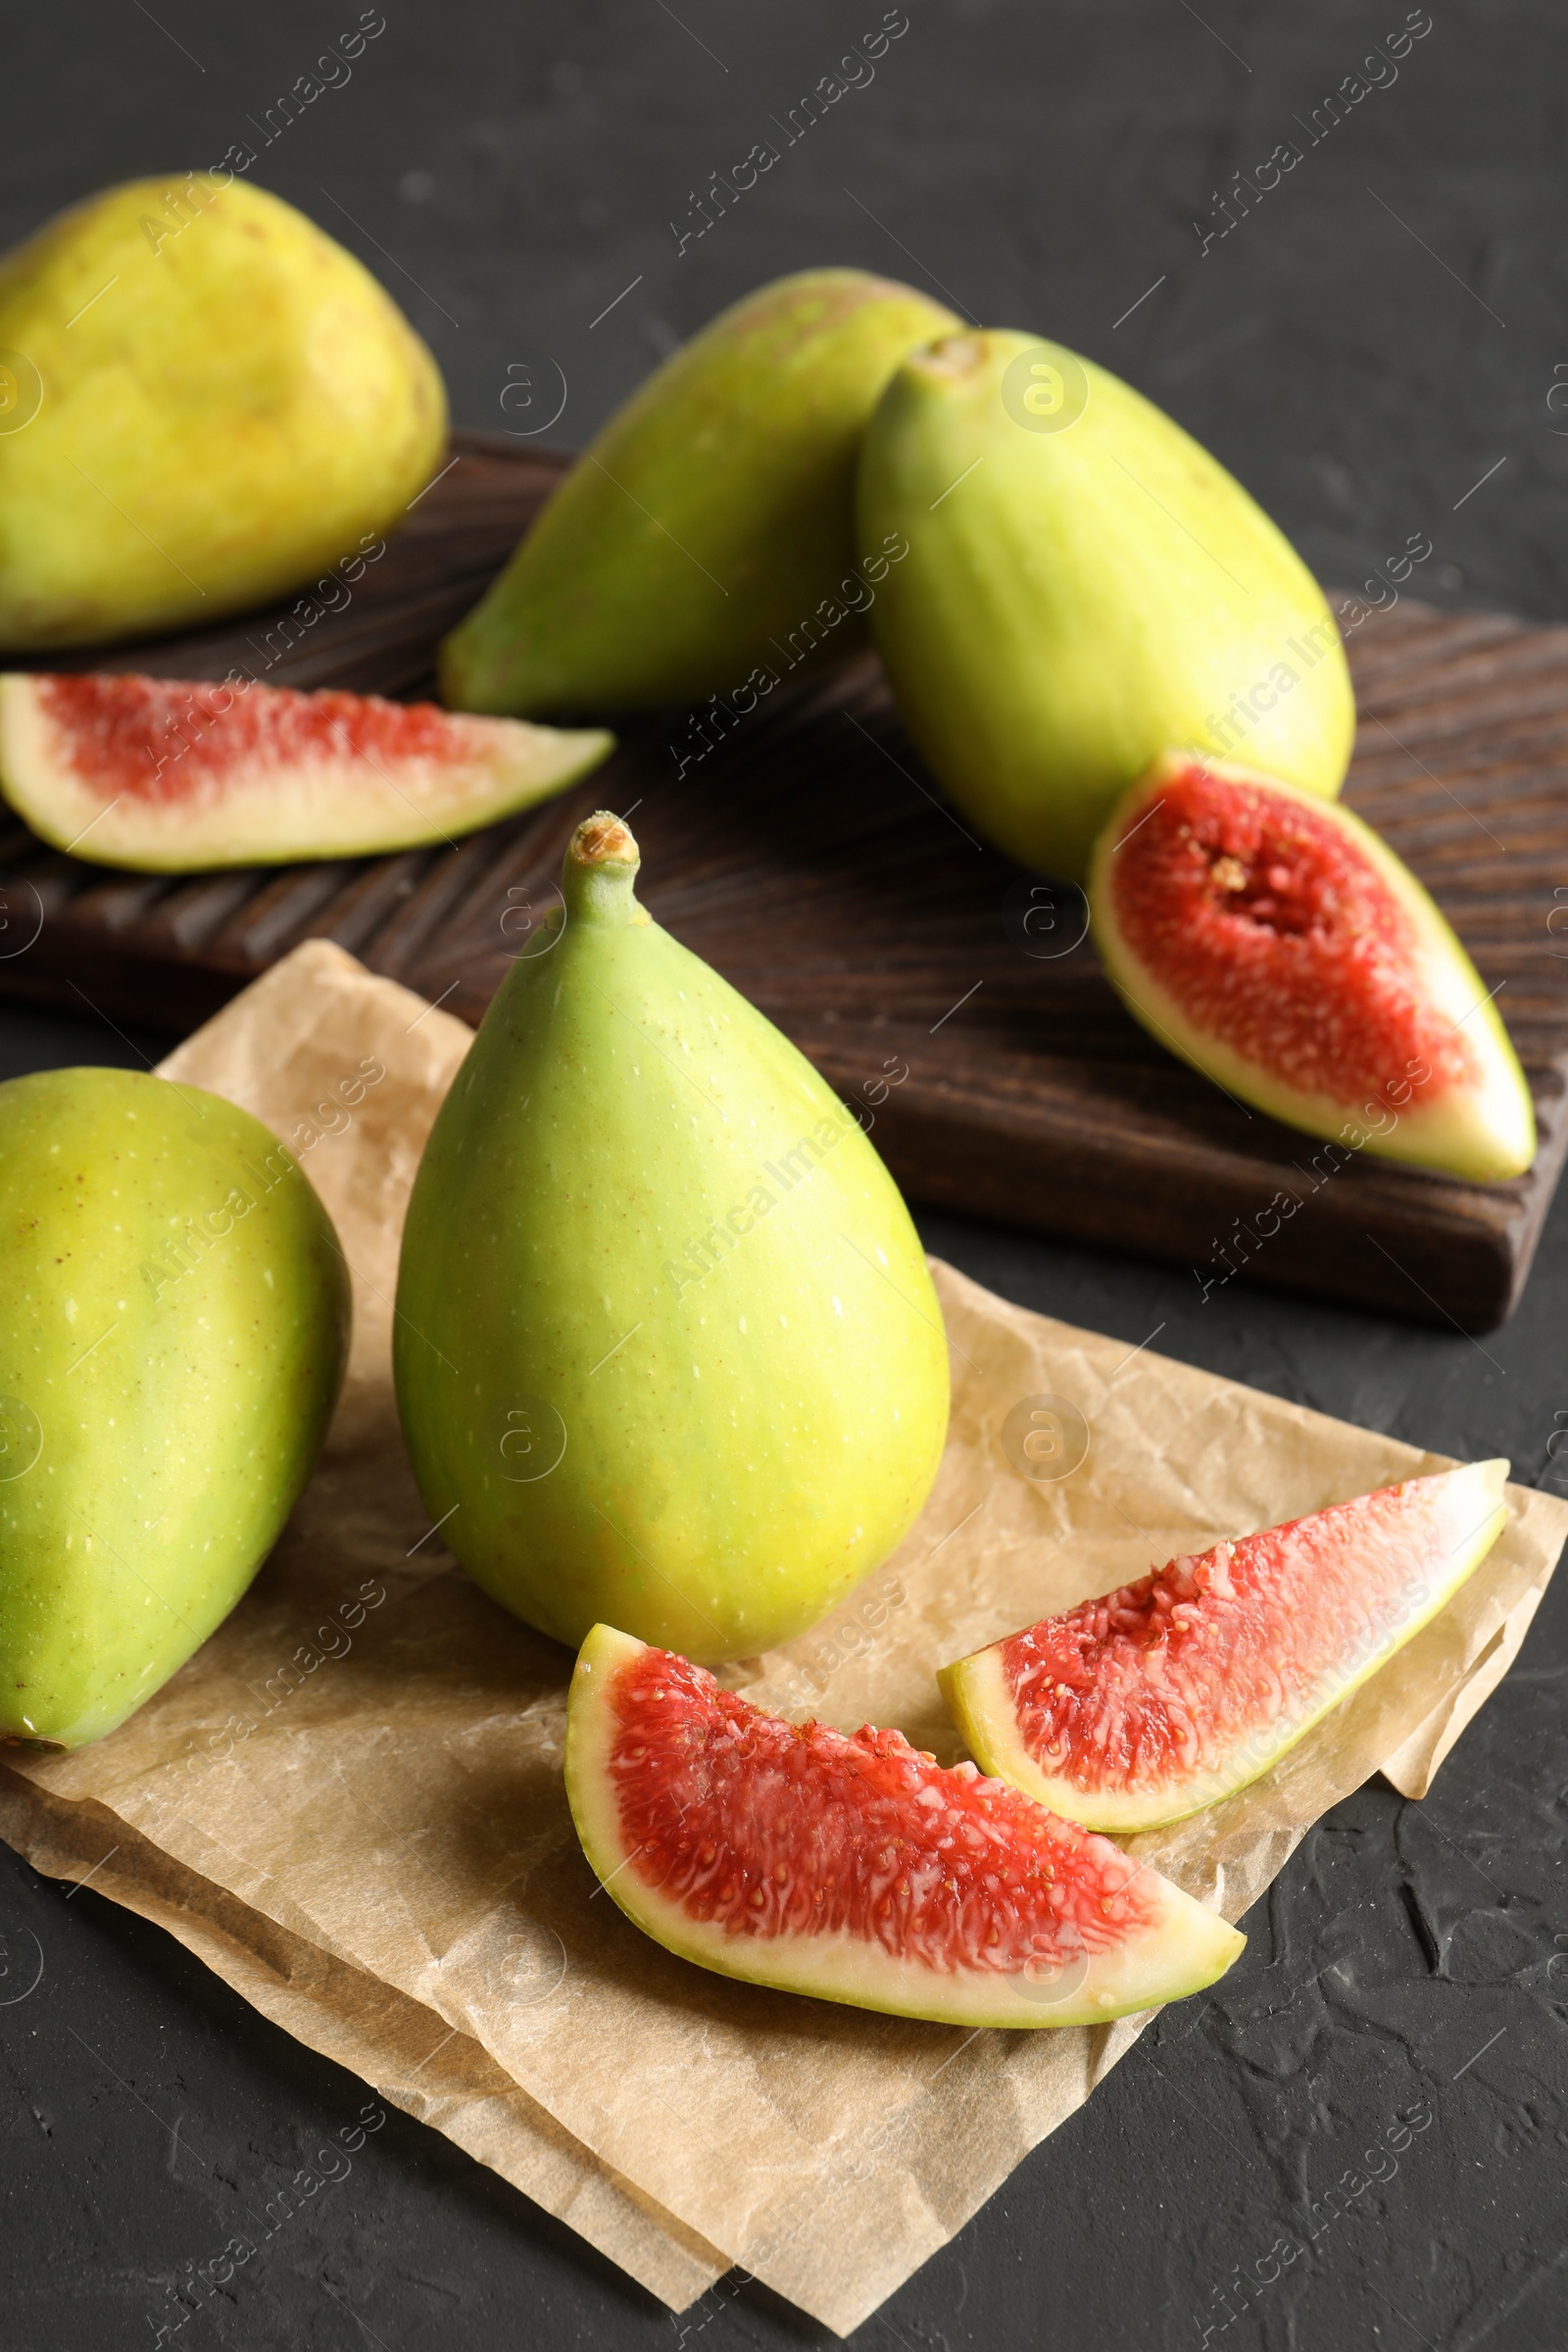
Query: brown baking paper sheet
367	1756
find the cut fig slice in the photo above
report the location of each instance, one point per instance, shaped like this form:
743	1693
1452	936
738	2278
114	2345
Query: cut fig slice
856	1868
169	776
1272	939
1155	1700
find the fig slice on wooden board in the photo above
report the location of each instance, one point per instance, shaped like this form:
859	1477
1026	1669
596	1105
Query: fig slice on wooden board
1152	1702
855	1867
169	775
1273	940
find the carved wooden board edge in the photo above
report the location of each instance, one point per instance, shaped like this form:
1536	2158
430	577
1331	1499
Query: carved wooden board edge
1031	1099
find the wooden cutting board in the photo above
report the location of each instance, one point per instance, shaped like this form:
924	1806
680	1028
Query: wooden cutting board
952	999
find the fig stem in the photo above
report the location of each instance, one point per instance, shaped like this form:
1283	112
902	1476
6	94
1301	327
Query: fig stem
599	870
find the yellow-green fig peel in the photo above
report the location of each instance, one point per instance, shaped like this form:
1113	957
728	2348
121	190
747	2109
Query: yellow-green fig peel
213	402
174	1323
667	1351
709	524
1084	587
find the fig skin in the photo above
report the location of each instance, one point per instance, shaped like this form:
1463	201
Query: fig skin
708	530
1084	586
173	1325
228	405
666	1346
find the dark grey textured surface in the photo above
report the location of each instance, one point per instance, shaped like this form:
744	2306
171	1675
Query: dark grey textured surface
1043	162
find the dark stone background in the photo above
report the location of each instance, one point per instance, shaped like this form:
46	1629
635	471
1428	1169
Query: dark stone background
508	173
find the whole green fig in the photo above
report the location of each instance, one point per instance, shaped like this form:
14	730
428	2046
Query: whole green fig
701	532
174	1321
667	1351
204	401
1085	589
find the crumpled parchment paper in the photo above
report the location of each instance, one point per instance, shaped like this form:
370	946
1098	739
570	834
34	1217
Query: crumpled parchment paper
350	1803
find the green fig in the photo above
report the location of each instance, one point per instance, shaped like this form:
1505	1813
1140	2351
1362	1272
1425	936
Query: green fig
174	1321
704	529
1084	588
666	1347
204	401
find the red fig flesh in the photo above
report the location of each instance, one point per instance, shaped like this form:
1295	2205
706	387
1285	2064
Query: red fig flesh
166	774
1146	1704
1273	940
854	1867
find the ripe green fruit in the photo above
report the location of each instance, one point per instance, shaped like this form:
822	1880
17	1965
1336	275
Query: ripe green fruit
701	531
666	1348
1084	587
203	402
174	1321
